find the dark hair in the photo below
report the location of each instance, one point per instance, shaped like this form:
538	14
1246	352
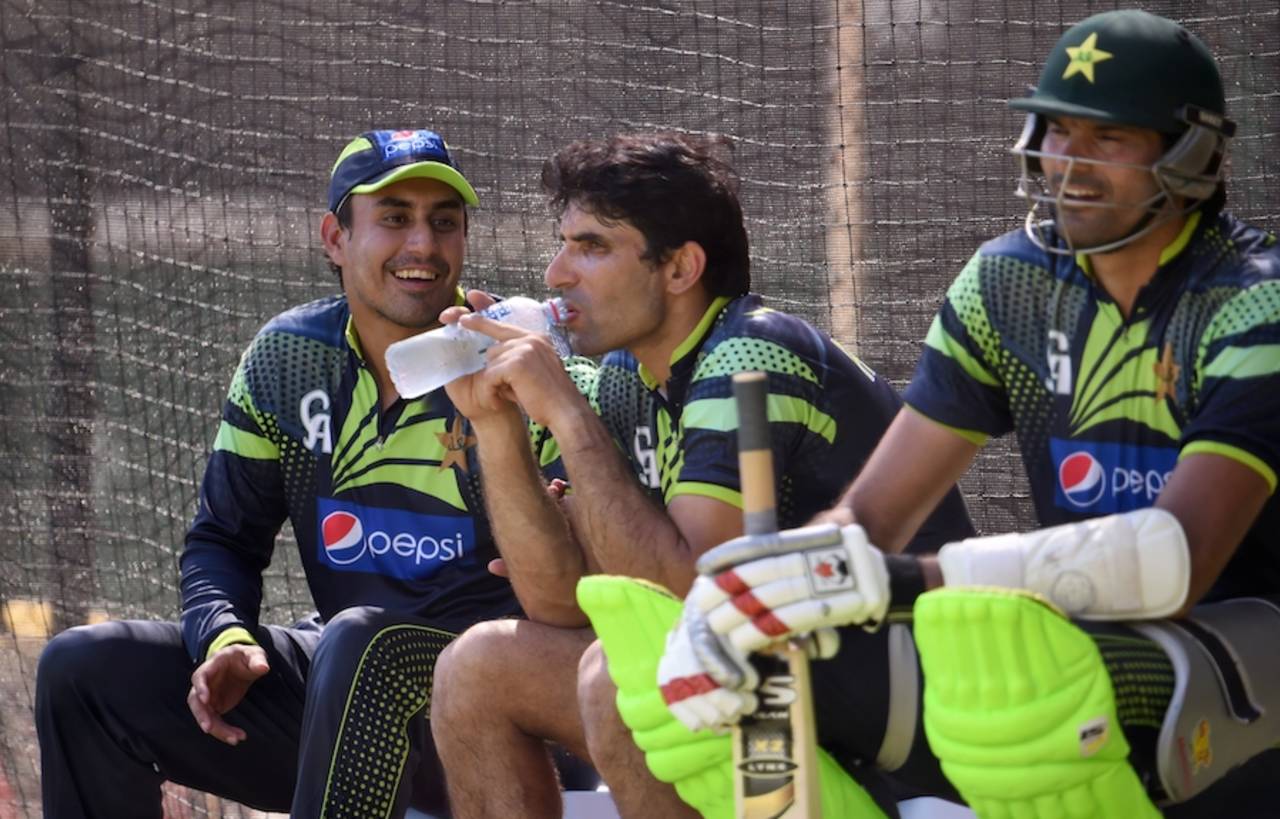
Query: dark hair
344	221
673	188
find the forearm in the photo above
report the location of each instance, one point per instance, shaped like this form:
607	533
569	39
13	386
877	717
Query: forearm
543	560
219	591
228	546
870	502
911	470
1216	500
626	532
889	528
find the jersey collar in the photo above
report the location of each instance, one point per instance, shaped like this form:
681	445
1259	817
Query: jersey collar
684	350
1170	251
353	340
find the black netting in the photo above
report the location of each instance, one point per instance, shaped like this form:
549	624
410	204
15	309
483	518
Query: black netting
162	176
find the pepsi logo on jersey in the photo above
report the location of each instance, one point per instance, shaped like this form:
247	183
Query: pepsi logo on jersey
1107	477
407	545
1081	479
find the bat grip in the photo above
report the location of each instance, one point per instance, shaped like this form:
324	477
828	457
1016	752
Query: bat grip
755	453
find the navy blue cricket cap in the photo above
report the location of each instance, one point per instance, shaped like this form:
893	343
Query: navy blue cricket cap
376	159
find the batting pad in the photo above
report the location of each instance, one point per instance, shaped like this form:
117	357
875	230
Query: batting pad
631	618
1020	710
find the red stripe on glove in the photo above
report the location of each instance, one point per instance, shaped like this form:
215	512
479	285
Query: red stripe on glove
681	688
731	584
747	603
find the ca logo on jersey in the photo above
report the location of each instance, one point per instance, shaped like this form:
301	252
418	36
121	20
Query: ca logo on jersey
1059	380
642	446
317	425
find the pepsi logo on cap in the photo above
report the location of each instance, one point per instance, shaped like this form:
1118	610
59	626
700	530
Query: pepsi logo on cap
412	143
1082	479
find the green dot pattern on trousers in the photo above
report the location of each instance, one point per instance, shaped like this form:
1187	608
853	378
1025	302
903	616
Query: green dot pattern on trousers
392	684
1142	677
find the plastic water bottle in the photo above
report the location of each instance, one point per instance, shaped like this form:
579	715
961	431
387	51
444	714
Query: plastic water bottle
432	359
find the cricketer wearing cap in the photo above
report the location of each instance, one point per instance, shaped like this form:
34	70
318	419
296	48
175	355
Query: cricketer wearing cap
654	271
1129	335
384	500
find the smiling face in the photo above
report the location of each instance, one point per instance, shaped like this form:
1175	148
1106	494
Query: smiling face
1100	176
401	258
615	297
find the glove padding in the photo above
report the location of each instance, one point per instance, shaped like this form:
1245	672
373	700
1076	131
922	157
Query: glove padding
756	590
632	618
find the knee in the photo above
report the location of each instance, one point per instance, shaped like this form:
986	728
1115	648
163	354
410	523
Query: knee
72	661
357	624
471	669
597	702
348	635
596	691
367	645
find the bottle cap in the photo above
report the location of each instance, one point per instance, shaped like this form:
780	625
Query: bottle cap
557	309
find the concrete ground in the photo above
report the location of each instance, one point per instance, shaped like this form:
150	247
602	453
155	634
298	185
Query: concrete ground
598	805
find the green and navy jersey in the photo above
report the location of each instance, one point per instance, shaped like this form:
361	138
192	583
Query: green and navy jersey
1103	405
827	410
385	505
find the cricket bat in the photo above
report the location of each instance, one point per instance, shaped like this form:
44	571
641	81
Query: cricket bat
775	752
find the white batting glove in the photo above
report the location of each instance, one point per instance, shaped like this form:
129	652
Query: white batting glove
693	679
707	683
759	589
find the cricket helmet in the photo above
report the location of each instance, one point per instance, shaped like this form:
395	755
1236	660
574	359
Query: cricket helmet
1131	68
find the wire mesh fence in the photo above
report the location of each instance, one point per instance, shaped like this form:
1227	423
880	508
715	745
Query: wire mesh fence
162	177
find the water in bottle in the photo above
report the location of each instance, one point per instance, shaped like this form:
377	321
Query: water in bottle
432	359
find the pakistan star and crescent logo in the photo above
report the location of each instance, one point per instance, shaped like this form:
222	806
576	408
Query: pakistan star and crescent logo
456	442
1084	57
1166	374
1201	748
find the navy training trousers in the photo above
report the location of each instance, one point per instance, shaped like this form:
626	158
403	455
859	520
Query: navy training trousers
341	714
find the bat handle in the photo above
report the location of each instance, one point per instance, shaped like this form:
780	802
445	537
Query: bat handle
775	750
755	454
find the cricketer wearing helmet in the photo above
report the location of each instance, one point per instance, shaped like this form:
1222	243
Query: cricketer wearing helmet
1129	335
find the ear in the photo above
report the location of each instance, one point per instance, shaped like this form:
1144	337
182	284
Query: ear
685	267
334	237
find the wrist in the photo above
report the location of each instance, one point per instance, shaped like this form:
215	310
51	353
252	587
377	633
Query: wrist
576	427
235	635
505	422
839	514
909	577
